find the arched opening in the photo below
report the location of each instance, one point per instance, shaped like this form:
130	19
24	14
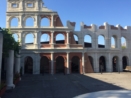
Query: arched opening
75	65
28	65
60	67
125	62
102	64
45	39
91	61
14	22
44	65
123	43
60	39
113	42
115	66
29	22
29	39
101	41
45	22
15	36
76	39
87	41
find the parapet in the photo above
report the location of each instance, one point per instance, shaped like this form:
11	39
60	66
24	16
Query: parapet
71	25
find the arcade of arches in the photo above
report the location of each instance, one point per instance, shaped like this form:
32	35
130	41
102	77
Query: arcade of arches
61	63
74	64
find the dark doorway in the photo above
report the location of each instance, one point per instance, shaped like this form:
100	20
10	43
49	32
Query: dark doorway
75	65
124	62
91	61
115	64
60	65
44	65
102	64
28	65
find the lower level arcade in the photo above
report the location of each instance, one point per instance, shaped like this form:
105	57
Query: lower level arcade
67	63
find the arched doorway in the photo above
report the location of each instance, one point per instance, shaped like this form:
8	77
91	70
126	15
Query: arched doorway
91	61
60	65
44	65
75	65
28	69
102	64
115	64
124	62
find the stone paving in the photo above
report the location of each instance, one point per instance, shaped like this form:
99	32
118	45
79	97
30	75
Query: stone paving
67	86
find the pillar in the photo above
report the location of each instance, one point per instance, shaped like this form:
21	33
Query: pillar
96	65
17	63
52	39
68	38
109	63
52	21
52	62
83	65
68	63
9	70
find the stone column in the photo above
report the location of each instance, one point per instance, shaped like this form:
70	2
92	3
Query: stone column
9	70
20	21
120	69
17	63
96	67
68	38
52	20
83	63
68	63
52	63
109	63
52	39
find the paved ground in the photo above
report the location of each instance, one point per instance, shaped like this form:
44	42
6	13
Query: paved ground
68	86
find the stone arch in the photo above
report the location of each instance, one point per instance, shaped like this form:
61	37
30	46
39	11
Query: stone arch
45	38
115	65
75	64
60	65
114	41
45	22
60	38
14	22
15	36
32	21
44	65
76	38
91	61
125	62
88	41
101	41
30	36
102	64
28	65
123	42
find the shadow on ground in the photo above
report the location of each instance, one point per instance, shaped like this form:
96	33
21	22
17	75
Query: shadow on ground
57	86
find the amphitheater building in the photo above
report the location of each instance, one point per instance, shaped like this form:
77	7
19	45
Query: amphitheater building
69	55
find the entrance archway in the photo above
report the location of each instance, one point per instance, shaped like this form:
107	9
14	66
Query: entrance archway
60	65
44	65
102	64
124	62
28	66
75	65
115	64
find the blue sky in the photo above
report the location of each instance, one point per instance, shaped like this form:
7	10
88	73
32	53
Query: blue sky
88	11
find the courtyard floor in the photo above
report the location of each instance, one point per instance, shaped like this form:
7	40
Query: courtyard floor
68	86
